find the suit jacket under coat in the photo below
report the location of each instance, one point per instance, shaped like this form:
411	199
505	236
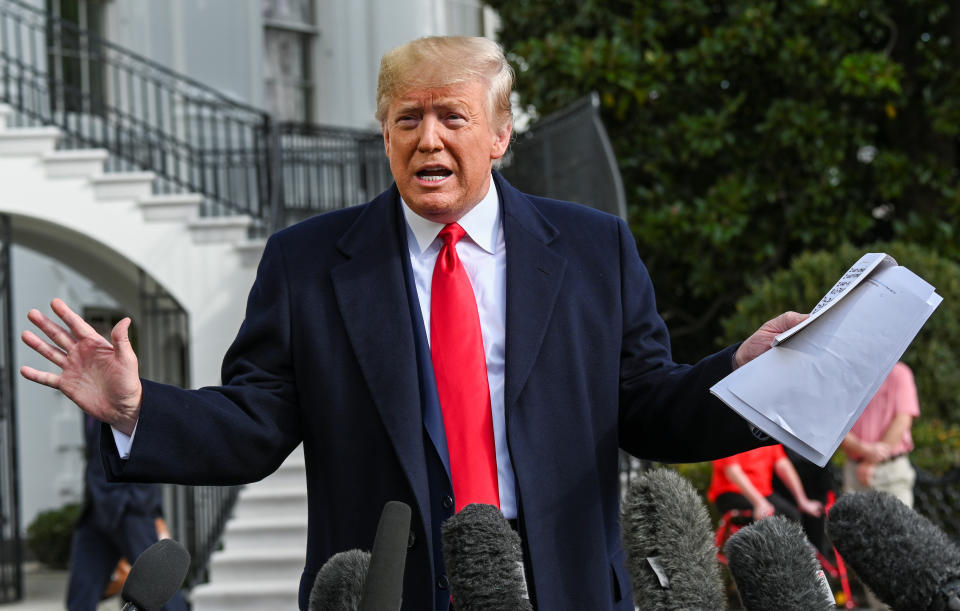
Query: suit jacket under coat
326	356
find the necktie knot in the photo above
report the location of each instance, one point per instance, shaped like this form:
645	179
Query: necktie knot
452	233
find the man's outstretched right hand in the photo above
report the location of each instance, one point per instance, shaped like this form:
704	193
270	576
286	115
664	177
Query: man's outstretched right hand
100	376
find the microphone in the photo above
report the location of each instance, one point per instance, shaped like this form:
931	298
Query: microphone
775	567
668	540
906	560
355	580
383	586
484	561
155	576
339	582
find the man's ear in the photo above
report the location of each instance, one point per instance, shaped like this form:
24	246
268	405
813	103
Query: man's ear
501	140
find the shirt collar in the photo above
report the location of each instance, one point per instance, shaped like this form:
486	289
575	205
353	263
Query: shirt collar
482	223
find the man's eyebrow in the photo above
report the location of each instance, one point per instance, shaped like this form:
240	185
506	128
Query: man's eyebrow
409	107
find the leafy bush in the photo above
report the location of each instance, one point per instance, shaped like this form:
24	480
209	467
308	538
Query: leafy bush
50	534
934	355
747	132
937	446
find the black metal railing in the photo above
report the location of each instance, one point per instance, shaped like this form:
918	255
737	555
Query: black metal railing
194	138
200	517
11	550
938	498
197	514
325	168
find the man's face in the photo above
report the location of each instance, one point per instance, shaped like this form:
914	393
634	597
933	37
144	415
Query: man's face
441	146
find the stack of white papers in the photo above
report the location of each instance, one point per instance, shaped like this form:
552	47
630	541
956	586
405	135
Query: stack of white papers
808	390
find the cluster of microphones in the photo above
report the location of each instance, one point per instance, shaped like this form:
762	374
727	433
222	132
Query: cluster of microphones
482	556
907	561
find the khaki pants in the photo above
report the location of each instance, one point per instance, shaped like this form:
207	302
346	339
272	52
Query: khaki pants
894	476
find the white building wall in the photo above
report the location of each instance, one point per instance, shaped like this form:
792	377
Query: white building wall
220	43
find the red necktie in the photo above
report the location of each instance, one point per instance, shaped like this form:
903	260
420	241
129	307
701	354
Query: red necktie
460	368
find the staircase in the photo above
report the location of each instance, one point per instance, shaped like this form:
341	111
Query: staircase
63	199
262	558
112	225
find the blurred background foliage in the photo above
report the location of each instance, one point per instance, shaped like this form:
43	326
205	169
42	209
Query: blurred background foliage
750	132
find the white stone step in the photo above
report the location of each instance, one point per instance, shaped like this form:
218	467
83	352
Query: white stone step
258	501
28	140
220	229
246	596
250	251
292	473
176	207
254	533
74	163
266	563
134	186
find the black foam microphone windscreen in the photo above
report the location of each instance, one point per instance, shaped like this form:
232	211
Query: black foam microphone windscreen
383	587
668	539
484	561
908	562
155	576
339	582
775	567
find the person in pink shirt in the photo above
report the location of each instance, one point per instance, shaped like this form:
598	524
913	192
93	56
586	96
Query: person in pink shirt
878	444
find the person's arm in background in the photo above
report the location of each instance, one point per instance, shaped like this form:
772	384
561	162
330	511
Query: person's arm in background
761	506
899	426
864	451
788	474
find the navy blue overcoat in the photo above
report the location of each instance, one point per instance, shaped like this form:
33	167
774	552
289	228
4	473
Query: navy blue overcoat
326	356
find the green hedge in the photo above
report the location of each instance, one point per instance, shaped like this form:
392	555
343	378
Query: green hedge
50	534
934	355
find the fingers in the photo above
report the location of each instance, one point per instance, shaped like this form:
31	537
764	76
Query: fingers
55	356
41	377
785	321
119	334
57	334
78	326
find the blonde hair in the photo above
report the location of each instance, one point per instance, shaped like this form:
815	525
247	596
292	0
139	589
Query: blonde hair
441	61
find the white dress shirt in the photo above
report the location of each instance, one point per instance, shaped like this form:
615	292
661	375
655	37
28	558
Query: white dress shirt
484	258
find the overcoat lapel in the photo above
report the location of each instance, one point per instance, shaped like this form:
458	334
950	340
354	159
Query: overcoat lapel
534	276
372	295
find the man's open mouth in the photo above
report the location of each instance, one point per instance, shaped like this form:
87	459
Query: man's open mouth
433	174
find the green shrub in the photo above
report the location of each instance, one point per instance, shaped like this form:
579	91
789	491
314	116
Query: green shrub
937	445
934	355
50	533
